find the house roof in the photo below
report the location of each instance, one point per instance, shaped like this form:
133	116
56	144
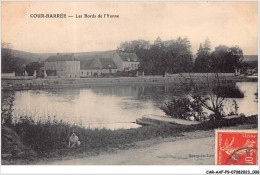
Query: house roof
128	56
90	64
55	58
98	63
108	63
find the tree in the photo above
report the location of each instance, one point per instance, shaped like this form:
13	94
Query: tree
133	46
156	55
225	59
158	42
207	46
202	61
9	62
178	55
6	55
33	66
183	108
172	56
178	108
217	90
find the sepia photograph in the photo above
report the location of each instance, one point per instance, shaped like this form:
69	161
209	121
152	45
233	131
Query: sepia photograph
129	83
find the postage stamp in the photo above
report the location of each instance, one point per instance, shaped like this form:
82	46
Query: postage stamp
236	147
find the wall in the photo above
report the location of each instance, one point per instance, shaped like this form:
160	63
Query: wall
7	75
90	73
199	75
73	69
50	65
64	68
131	65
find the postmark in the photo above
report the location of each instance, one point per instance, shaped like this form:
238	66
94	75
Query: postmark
236	147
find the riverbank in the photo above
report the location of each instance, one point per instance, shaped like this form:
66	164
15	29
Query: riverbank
191	148
49	141
48	83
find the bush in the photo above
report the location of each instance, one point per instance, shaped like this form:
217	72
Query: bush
228	91
178	108
7	100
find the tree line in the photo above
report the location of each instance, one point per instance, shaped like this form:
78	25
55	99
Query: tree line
11	63
175	56
157	58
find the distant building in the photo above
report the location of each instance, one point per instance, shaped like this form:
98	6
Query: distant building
97	67
62	66
90	68
126	61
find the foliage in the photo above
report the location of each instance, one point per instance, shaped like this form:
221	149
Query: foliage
228	90
217	90
202	61
222	59
183	108
178	108
179	56
171	56
33	66
7	99
11	63
131	73
175	56
225	59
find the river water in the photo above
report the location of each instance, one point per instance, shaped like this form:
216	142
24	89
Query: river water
111	107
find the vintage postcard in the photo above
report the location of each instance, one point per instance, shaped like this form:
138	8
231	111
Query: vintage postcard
129	83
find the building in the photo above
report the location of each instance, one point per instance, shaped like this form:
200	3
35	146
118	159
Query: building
62	66
108	66
96	67
90	68
126	61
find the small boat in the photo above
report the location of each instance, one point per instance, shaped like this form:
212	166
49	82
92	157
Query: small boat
155	120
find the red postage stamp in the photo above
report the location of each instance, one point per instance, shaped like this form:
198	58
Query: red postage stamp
236	147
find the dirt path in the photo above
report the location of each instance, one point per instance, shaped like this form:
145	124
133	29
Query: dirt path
196	148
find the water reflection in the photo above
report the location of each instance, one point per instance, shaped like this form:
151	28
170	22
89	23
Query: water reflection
110	107
247	105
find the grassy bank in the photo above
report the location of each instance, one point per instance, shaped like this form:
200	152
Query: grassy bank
49	139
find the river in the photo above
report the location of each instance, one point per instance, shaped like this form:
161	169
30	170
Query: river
111	107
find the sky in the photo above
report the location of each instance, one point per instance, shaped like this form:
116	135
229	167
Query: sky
223	23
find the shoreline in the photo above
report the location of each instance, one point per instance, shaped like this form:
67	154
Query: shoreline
48	83
155	151
103	156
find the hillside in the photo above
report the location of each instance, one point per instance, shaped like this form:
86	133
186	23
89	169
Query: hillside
32	57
